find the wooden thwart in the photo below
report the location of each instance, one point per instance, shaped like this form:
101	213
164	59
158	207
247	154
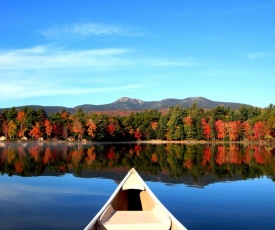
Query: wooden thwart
133	220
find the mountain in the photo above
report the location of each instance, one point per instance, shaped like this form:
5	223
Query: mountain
131	104
126	103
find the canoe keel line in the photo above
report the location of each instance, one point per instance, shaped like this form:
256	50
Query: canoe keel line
133	206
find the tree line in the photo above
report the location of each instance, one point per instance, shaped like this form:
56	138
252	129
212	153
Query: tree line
194	123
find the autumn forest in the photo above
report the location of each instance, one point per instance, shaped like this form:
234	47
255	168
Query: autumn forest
176	124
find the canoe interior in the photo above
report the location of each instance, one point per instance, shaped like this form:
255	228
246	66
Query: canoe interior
133	200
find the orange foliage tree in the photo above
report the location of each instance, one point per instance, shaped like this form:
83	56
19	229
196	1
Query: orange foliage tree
234	156
91	155
221	156
78	129
188	120
21	120
48	127
91	128
221	129
234	130
35	132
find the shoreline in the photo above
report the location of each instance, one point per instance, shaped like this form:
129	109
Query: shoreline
203	142
186	142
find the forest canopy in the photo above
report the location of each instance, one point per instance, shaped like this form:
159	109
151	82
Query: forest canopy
221	123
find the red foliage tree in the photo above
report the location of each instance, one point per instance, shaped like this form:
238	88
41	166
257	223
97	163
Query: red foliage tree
154	158
138	134
47	156
110	129
111	156
19	167
206	155
137	149
5	129
259	130
34	152
57	130
258	155
206	129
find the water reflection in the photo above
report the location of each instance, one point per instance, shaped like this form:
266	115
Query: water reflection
176	160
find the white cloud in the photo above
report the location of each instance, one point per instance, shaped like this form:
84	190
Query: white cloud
89	29
48	57
258	55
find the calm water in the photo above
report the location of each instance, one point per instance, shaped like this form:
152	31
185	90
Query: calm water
62	186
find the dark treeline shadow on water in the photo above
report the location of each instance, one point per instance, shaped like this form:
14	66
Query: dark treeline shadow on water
172	161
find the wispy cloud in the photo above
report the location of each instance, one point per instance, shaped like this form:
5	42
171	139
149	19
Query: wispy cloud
258	55
169	63
14	191
30	87
89	29
44	71
50	57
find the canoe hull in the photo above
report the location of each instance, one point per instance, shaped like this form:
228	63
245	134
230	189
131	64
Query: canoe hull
133	204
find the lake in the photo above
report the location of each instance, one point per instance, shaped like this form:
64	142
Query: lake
63	185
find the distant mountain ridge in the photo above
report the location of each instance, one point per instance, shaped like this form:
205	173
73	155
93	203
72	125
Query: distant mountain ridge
132	104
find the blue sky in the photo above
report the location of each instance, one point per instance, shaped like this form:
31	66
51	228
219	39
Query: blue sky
70	53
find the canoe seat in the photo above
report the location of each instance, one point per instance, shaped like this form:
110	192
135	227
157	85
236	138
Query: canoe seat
134	220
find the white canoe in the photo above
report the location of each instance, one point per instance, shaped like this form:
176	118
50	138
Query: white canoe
134	206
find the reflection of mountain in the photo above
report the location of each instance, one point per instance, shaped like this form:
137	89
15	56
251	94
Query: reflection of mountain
163	177
194	165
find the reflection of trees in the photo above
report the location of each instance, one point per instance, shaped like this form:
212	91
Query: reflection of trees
91	155
28	159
